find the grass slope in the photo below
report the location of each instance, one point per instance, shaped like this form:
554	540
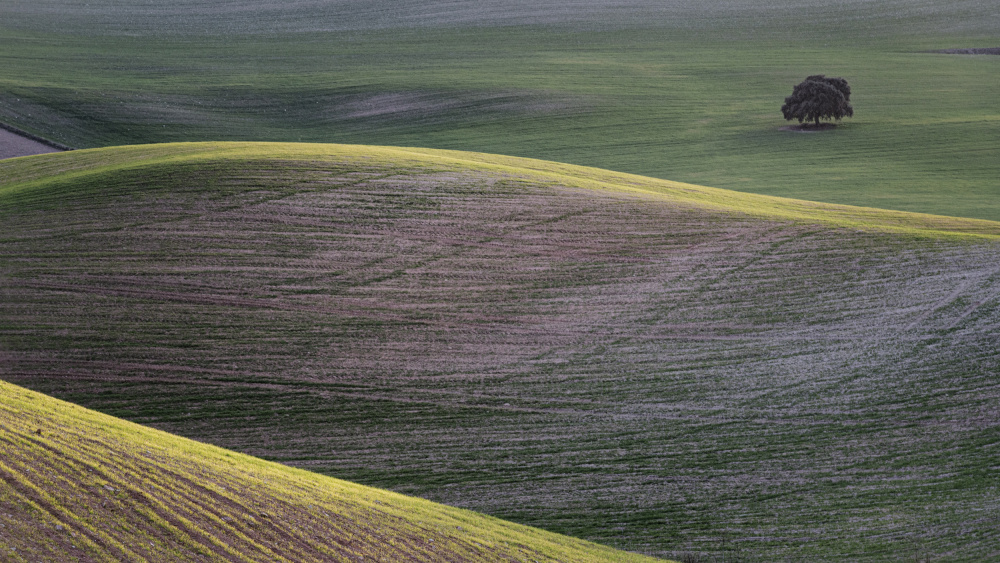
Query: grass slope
656	366
688	91
82	486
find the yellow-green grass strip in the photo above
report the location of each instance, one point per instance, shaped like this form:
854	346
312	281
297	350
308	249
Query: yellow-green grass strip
107	489
28	174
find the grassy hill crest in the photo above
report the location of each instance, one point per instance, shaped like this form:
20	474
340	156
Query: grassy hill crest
24	178
82	486
659	367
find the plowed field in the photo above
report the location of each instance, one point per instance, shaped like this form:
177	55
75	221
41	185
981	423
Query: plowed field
658	367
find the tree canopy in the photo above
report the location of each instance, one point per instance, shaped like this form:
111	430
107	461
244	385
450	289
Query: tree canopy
818	97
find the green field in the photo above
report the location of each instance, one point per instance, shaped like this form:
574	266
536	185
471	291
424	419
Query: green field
81	486
626	357
655	366
688	91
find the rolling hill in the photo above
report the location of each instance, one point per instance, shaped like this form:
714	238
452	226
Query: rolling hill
681	90
76	485
656	366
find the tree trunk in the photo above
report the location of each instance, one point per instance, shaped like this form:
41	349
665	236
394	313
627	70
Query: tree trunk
817	121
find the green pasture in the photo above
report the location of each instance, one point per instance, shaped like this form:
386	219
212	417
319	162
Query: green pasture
660	367
137	494
688	92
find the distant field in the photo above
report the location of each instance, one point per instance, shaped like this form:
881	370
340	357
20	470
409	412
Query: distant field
786	18
656	366
686	91
80	486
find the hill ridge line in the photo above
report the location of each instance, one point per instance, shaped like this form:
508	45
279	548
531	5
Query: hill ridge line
137	157
59	460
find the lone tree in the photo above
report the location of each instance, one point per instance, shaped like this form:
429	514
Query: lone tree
819	97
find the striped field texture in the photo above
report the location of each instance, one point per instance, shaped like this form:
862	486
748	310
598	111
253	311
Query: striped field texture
655	366
76	485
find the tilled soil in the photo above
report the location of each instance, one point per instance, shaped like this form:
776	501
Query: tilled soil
657	377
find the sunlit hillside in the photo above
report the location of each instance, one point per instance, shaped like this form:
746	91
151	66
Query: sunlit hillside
661	367
682	90
76	485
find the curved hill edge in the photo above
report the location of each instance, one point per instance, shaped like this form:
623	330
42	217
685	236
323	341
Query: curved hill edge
764	206
81	484
27	174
